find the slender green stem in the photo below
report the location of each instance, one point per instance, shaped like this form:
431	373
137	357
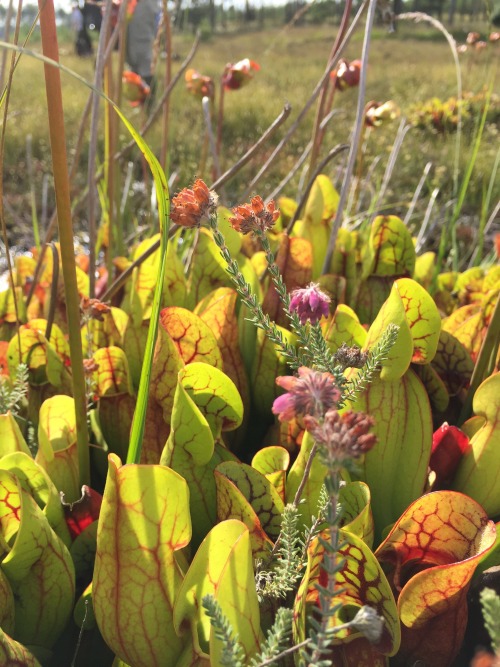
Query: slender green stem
283	295
331	566
421	16
53	290
324	102
305	476
31	176
63	203
220	120
450	227
314	350
163	197
5	100
317	89
262	321
92	159
356	137
212	142
168	79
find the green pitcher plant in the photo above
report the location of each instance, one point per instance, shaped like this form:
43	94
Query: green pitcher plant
302	489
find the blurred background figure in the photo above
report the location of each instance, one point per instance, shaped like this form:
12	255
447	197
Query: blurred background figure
92	14
76	19
141	34
83	43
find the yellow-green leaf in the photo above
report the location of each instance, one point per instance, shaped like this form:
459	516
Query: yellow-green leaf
396	468
208	270
232	504
400	355
144	520
322	202
312	489
224	552
45	359
37	565
218	311
452	362
423	319
11	438
112	375
57	451
258	491
215	394
390	250
13	653
273	462
344	327
356	514
434	386
37	483
477	472
268	363
206	402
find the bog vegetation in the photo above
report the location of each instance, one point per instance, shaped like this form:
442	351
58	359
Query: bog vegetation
249	347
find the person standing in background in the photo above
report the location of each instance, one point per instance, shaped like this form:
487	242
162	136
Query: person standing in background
83	43
76	19
141	33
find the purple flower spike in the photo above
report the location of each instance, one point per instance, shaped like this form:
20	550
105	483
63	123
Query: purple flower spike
311	393
310	303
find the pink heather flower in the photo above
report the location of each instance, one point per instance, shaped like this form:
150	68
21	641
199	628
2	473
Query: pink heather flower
312	393
341	436
310	303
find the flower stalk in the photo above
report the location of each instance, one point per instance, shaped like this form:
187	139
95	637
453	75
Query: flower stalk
262	321
63	203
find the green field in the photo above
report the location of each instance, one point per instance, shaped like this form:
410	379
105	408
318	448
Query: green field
353	516
409	67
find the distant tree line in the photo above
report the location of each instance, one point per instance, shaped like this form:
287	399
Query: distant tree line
211	15
193	14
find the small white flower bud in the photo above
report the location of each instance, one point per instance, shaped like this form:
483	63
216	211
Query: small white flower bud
369	623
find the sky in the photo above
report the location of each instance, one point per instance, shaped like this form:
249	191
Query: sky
58	4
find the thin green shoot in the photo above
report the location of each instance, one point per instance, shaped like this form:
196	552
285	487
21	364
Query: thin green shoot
485	206
31	177
163	198
449	230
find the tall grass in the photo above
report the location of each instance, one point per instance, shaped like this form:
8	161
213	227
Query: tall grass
401	67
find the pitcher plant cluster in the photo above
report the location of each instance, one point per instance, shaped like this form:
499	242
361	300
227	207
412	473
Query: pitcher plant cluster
350	503
272	441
